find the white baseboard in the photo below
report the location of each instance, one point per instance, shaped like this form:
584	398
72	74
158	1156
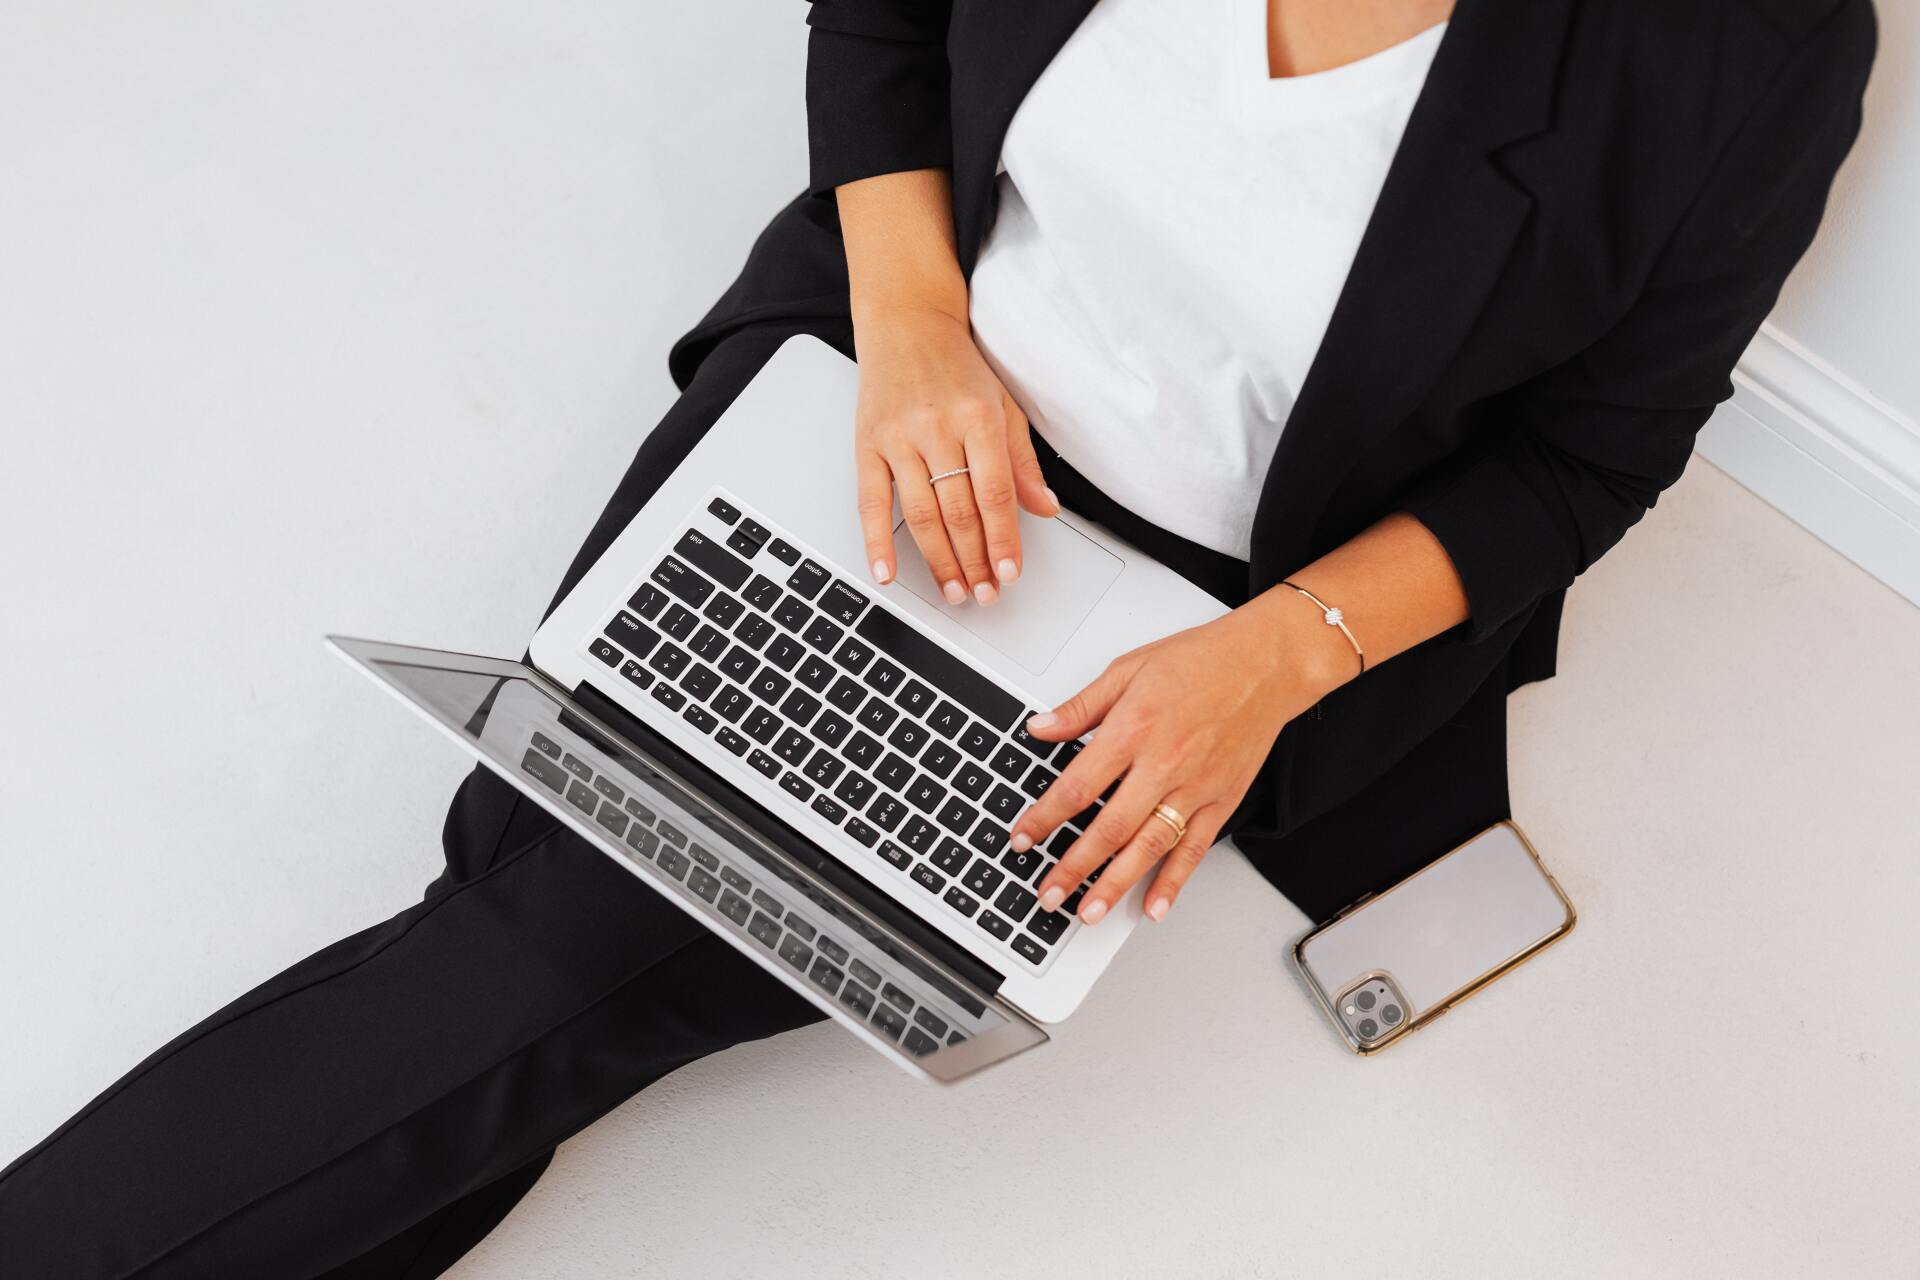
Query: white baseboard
1826	453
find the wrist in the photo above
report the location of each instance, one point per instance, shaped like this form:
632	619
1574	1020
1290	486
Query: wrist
1295	639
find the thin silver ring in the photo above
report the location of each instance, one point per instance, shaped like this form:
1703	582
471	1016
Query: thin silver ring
948	475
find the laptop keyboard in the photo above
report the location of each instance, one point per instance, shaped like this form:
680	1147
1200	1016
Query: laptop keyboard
814	951
888	740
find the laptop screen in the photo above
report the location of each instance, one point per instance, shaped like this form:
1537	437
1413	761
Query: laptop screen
794	923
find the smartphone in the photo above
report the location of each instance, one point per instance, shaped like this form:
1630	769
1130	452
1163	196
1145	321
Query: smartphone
1395	961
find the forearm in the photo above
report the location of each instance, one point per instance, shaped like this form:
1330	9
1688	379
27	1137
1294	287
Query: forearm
901	254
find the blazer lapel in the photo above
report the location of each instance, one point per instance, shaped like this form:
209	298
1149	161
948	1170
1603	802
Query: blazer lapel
1440	233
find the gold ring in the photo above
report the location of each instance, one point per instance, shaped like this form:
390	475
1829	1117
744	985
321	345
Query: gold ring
1171	816
948	475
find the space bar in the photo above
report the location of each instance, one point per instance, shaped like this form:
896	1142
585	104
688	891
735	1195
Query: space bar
939	668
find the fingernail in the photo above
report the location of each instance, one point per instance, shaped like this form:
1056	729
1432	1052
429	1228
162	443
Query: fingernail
1042	722
1093	911
1052	897
1021	842
1157	909
1054	498
1009	572
955	593
881	573
985	593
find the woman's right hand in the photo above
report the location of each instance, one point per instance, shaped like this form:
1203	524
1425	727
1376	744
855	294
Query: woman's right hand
928	404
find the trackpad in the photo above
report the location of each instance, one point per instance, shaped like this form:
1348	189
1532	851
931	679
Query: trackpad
1064	573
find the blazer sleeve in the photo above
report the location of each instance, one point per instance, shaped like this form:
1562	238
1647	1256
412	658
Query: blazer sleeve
877	89
1575	457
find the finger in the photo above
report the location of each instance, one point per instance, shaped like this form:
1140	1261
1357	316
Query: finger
1085	710
1074	792
876	513
1154	840
1109	832
964	531
922	511
1028	480
1202	830
992	474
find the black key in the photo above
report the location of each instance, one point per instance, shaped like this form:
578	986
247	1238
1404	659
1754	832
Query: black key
643	840
923	793
703	856
735	879
823	634
739	542
606	787
816	673
764	763
682	581
1062	841
919	834
927	878
886	812
895	854
946	719
897	998
808	579
1049	926
939	760
1023	863
648	600
679	622
724	509
829	808
740	664
577	767
754	631
703	884
700	718
724	609
824	767
734	907
1040	750
915	697
731	705
764	928
709	642
1029	950
1009	762
958	816
830	728
1014	902
671	834
762	725
994	925
796	786
863	749
857	998
1067	753
673	862
1005	804
950	858
917	1042
978	741
544	769
631	634
792	613
883	676
853	655
894	773
605	651
785	552
806	930
714	560
951	675
732	741
784	652
796	953
769	685
639	810
932	1021
908	736
888	1023
1037	781
636	675
546	746
1085	817
960	900
700	681
860	831
800	706
989	837
832	950
877	715
762	593
983	877
669	660
855	790
843	602
754	532
767	903
824	975
865	973
793	747
669	697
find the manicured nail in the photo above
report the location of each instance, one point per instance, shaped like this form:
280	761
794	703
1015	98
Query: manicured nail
1042	722
1157	909
1054	498
881	573
1093	911
1021	842
985	593
1008	571
1052	897
955	593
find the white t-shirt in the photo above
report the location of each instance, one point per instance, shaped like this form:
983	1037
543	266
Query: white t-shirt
1173	231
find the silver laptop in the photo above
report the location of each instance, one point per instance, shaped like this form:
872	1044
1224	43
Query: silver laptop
835	764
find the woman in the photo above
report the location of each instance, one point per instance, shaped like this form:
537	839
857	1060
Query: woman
1402	310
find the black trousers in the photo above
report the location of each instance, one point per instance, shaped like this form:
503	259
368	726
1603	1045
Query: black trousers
377	1108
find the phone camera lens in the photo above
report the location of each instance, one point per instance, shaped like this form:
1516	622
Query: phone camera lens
1364	999
1391	1014
1368	1028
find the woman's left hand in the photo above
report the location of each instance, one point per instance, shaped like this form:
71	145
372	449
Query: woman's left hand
1185	722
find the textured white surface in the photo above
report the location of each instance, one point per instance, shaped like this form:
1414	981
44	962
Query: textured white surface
342	316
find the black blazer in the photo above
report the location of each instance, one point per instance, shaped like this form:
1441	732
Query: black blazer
1592	210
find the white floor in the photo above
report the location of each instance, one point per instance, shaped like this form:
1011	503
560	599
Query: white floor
340	316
